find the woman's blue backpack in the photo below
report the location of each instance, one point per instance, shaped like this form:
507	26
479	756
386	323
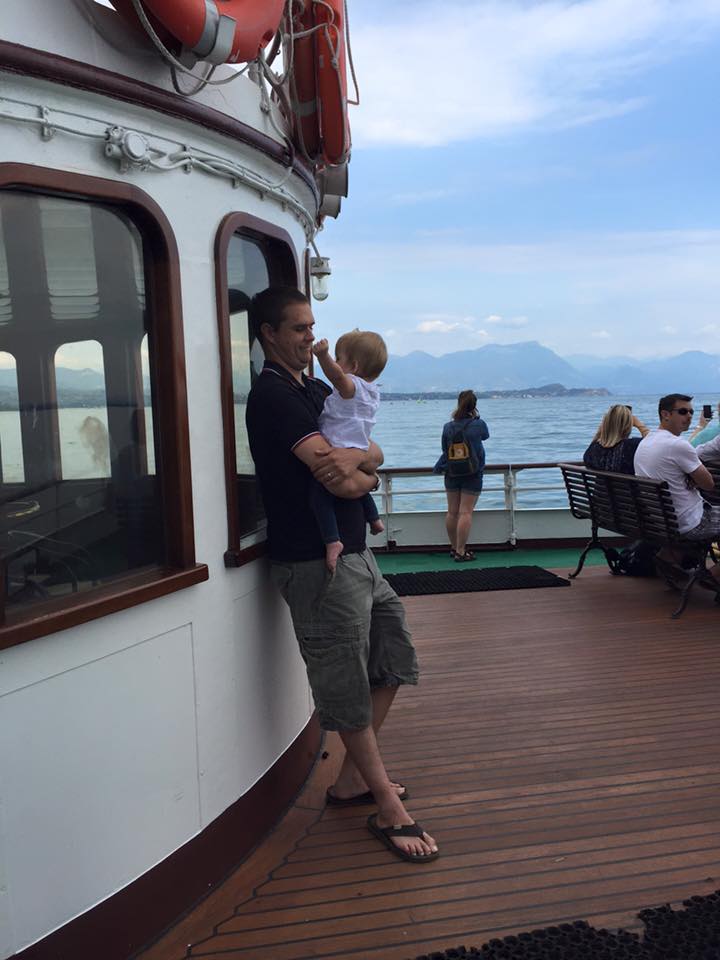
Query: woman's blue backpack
461	458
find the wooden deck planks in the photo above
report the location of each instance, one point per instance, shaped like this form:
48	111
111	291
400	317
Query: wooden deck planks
563	747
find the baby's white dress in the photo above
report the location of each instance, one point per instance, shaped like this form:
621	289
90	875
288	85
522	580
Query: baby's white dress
348	423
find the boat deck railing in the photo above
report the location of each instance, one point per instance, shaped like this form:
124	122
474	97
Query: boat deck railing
508	489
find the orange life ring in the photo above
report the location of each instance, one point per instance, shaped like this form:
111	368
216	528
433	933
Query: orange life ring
332	81
229	31
304	83
319	76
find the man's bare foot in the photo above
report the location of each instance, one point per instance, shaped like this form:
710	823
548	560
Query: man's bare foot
332	552
377	526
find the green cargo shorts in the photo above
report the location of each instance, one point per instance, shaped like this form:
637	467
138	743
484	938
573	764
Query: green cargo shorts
352	633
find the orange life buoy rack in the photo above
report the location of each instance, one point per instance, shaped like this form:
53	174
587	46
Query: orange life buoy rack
320	80
219	31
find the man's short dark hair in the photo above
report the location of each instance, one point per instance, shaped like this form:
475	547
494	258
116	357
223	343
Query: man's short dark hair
269	305
668	403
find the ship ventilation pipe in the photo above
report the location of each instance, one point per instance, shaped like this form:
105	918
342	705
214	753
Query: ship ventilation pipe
330	206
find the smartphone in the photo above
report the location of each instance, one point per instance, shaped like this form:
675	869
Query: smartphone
629	407
707	411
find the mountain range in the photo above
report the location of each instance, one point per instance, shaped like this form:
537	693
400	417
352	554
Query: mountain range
530	364
516	366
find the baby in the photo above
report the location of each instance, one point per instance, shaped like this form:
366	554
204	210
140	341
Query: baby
347	419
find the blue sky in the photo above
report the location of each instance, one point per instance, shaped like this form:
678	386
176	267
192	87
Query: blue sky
532	170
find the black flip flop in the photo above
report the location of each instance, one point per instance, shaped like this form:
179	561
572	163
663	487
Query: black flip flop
385	835
358	800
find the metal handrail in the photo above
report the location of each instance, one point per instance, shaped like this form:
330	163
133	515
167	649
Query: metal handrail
510	486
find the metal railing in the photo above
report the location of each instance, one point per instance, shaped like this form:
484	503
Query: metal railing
389	489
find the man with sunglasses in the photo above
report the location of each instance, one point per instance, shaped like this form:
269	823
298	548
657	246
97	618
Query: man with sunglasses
665	455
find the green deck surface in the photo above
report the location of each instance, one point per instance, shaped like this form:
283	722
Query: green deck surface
441	560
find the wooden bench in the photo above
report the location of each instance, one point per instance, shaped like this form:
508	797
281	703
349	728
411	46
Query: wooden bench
640	509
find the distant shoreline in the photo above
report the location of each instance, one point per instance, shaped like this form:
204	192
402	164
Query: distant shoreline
550	390
98	399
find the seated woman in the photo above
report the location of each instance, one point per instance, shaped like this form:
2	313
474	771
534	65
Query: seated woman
612	447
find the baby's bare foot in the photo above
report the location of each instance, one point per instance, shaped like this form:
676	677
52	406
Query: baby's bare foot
332	552
377	526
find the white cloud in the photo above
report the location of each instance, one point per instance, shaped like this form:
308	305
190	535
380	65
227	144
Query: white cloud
600	335
435	326
439	326
669	329
463	70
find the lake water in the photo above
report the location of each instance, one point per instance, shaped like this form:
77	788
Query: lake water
522	430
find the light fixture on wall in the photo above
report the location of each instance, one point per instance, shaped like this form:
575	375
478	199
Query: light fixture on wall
319	273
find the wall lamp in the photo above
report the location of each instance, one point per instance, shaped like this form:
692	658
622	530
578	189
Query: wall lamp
319	273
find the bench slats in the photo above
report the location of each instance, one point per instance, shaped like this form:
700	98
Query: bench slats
633	506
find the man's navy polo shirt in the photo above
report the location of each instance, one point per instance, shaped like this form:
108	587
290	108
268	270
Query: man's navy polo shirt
280	413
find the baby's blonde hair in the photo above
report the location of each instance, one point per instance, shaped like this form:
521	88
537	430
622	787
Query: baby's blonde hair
366	349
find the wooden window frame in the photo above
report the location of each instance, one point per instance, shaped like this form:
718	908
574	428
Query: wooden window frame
162	279
261	232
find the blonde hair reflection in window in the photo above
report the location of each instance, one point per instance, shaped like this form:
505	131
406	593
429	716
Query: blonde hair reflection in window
94	436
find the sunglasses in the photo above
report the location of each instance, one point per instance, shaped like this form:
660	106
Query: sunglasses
683	411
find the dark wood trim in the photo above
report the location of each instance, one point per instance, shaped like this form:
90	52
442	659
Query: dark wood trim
238	558
260	231
16	58
141	912
162	280
77	608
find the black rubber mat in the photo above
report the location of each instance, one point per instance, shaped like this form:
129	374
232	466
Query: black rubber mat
689	934
468	581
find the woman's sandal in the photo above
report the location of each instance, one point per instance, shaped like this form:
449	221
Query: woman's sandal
464	557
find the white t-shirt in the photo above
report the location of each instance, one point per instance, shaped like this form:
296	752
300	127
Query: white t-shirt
348	423
663	456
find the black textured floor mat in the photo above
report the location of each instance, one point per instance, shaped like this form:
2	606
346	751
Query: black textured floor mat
468	581
689	934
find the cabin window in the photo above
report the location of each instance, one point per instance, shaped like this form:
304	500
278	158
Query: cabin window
82	508
11	459
251	256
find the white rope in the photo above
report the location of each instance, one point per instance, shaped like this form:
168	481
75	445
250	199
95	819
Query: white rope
342	97
356	101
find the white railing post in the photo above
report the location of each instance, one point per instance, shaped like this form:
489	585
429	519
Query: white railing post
510	502
388	495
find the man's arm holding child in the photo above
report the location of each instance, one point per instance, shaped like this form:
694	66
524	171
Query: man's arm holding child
345	471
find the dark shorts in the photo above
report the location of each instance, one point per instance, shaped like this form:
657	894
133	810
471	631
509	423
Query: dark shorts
352	634
470	484
709	526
